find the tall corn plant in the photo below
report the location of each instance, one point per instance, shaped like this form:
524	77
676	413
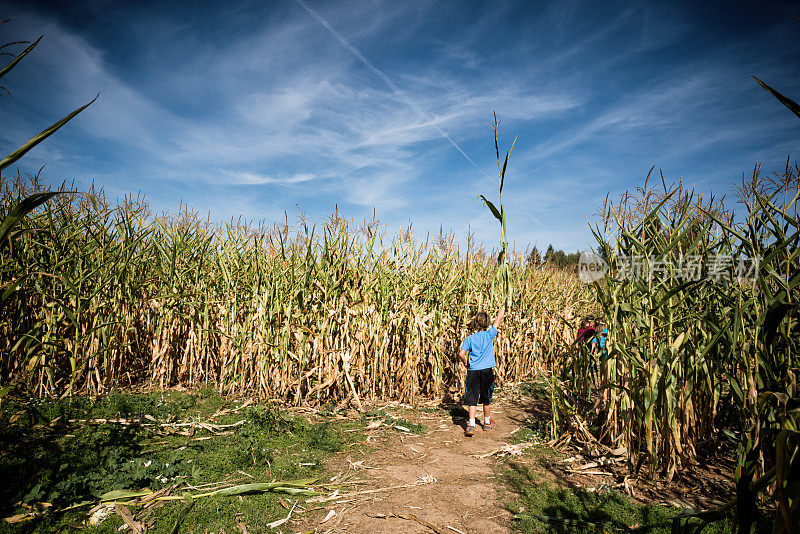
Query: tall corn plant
769	450
763	340
656	403
696	351
500	215
25	205
174	299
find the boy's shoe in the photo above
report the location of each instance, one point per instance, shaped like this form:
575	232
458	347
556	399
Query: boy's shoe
489	427
470	431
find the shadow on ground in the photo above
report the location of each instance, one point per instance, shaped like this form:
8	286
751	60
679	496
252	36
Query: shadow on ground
458	414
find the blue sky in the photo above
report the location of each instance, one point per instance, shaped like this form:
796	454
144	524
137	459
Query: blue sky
254	108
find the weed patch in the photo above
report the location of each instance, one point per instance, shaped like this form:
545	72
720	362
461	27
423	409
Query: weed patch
541	506
535	431
50	453
534	388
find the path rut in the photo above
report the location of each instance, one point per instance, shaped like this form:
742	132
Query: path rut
451	488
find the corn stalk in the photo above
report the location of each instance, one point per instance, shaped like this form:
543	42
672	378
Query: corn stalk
502	260
697	357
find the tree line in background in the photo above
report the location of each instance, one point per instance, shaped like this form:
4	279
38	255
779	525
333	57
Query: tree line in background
557	258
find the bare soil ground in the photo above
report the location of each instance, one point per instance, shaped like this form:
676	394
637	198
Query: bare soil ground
442	481
432	482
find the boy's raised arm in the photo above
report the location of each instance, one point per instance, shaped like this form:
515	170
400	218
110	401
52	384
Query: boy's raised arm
500	315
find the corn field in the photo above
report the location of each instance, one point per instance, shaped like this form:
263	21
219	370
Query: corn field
702	340
100	296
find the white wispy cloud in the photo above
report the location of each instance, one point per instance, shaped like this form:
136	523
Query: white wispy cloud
250	178
356	112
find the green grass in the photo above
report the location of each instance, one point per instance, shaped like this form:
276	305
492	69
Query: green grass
534	388
536	497
415	428
46	459
535	431
572	510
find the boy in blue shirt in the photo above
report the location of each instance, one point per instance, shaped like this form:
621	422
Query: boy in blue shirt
480	367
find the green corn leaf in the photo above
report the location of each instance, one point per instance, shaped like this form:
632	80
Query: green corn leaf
41	136
17	59
293	487
496	146
27	205
505	163
123	494
788	102
773	317
672	292
494	210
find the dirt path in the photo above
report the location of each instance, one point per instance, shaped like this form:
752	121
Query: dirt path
444	482
449	489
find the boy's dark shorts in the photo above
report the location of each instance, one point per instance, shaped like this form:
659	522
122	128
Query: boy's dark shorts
480	385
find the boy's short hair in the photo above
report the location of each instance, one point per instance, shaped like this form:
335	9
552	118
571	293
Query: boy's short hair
480	321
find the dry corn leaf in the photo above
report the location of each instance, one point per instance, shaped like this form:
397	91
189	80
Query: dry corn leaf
375	424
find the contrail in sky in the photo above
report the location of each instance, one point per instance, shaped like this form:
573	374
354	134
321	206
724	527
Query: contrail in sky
399	92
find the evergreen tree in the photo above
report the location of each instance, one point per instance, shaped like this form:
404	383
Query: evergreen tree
548	255
534	258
